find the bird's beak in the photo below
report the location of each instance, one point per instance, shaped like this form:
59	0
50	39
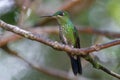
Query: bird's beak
52	16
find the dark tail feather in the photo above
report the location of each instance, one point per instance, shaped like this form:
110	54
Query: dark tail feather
76	65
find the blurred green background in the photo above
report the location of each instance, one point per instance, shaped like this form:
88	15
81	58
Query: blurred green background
98	14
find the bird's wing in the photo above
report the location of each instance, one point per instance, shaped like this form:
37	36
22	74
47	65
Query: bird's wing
77	40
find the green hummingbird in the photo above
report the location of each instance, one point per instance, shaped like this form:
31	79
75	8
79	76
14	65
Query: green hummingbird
69	36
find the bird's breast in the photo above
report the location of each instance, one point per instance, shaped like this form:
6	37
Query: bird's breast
68	34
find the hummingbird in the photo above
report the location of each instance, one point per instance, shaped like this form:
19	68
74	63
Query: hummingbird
69	36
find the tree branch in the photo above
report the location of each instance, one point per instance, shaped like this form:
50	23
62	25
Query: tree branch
55	44
100	32
54	30
58	46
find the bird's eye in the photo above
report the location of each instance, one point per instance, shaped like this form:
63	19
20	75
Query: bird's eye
61	14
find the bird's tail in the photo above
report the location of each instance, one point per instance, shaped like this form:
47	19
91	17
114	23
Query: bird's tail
76	65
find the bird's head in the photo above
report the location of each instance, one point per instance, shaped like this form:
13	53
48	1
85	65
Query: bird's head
59	15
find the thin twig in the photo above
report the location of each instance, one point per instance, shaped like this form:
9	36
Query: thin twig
11	38
71	4
110	72
100	32
24	6
54	30
58	46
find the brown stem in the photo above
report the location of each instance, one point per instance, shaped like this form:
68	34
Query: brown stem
11	38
